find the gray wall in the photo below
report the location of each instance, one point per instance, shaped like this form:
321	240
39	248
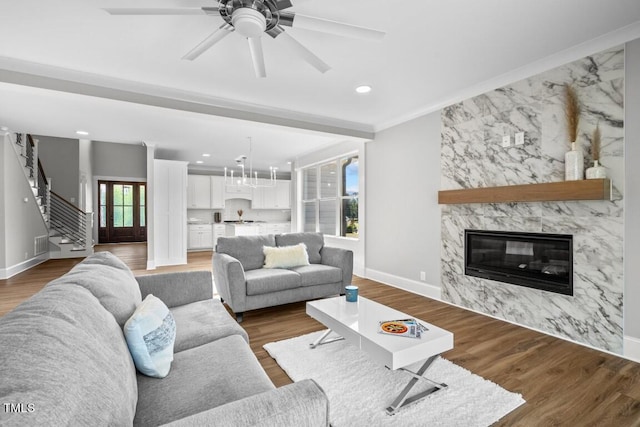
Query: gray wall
403	216
632	194
119	160
60	158
21	222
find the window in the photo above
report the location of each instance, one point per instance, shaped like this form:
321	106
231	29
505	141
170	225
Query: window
330	197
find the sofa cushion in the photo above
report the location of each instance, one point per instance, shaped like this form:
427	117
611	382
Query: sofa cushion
313	241
150	334
246	249
202	322
110	280
318	274
64	353
201	378
285	256
267	280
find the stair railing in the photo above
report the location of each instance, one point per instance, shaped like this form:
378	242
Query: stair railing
71	222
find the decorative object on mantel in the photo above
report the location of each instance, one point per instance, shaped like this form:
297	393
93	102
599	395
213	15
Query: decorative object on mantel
597	171
240	212
574	159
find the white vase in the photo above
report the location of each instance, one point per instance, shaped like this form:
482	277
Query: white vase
573	164
597	171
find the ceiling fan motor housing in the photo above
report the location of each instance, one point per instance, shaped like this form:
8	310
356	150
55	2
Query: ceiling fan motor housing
248	22
247	16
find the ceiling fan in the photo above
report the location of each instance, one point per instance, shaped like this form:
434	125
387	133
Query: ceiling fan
253	18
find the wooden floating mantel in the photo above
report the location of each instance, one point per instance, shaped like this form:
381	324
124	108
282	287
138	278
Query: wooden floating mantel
587	189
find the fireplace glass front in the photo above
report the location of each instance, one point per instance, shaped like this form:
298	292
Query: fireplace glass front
535	260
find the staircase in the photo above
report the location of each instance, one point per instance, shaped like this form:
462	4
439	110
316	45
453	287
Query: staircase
70	229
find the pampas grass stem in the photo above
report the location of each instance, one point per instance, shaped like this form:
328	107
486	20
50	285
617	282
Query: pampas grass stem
572	112
596	142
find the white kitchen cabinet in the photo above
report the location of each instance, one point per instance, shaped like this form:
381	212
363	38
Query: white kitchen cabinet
282	199
276	197
199	192
217	192
277	228
219	230
257	198
200	236
242	230
237	192
169	212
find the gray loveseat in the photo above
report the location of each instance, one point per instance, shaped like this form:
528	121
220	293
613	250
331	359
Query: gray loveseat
64	359
244	284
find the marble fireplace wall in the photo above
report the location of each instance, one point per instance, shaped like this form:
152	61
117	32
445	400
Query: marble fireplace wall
472	156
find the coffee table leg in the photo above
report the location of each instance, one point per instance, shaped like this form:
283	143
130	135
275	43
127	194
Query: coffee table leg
322	340
402	399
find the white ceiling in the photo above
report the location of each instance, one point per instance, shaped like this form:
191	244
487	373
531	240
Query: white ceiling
121	77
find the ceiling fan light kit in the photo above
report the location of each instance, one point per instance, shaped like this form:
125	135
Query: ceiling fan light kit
253	18
248	22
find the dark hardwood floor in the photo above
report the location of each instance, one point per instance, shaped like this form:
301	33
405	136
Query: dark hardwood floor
564	384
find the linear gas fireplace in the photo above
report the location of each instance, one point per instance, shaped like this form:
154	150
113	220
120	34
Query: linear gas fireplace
535	260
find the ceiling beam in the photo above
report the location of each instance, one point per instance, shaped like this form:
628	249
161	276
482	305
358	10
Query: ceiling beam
201	106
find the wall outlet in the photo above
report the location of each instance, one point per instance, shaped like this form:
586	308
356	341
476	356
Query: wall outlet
423	276
506	141
520	138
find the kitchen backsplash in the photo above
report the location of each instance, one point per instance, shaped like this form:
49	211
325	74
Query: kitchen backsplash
230	213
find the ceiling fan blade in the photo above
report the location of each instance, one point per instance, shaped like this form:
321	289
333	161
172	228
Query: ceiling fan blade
334	27
207	43
303	52
257	56
163	11
283	4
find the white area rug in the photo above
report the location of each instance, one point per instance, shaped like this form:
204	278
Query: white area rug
359	390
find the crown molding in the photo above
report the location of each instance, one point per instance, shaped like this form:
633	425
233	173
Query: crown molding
606	41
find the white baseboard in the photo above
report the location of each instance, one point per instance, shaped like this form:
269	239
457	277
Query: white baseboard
414	286
631	344
6	273
632	348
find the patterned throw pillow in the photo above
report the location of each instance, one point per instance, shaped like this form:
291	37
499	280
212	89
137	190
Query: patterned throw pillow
286	256
150	333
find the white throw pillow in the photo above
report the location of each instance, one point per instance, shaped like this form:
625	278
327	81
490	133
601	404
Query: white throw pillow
285	256
150	333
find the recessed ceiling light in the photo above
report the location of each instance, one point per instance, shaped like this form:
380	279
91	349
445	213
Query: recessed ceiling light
82	132
206	155
199	162
4	128
363	89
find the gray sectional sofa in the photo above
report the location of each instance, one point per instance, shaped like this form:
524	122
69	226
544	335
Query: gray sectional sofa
64	359
244	284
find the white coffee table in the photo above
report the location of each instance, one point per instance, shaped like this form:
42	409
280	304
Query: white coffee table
358	323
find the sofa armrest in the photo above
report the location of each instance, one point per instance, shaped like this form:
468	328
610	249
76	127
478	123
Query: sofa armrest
340	258
299	404
228	275
175	289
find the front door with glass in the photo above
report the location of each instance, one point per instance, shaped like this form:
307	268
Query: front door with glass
122	212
